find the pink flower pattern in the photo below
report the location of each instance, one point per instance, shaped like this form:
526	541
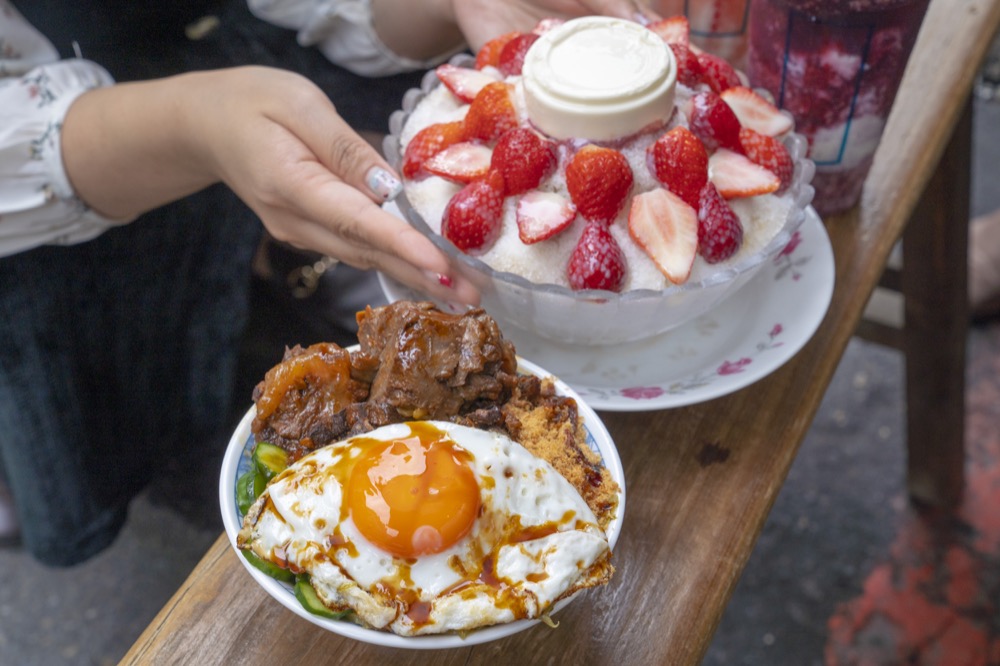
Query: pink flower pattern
786	263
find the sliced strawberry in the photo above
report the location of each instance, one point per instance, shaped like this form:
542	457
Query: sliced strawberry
429	142
717	73
714	122
461	162
673	30
597	262
735	176
491	113
547	24
666	228
489	54
542	215
689	71
463	82
598	180
473	218
524	158
512	55
768	152
720	232
680	162
755	112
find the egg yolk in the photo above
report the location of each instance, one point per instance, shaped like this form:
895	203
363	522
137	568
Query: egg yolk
415	495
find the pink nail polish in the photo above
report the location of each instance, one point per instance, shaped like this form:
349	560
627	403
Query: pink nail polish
444	280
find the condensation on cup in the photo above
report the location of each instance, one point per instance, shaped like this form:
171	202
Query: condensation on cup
835	65
717	26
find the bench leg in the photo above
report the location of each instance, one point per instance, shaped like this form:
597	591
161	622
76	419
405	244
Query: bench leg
934	285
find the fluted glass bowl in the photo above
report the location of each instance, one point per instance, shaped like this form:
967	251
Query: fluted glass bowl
598	317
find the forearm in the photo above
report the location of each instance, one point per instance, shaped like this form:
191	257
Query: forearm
420	32
132	147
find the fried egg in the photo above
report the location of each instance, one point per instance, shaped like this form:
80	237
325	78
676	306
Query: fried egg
430	527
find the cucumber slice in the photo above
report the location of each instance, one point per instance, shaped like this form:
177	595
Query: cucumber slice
246	493
272	570
269	460
259	483
306	594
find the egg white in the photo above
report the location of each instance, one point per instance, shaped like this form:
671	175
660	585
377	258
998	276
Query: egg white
301	509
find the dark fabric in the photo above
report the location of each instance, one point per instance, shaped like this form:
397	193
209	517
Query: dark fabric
117	355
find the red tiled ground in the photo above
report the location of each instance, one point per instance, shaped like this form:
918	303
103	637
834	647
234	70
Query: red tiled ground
935	600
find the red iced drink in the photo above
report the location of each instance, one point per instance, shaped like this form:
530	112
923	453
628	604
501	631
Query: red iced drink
835	65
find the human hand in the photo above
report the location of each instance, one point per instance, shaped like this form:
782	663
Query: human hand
278	142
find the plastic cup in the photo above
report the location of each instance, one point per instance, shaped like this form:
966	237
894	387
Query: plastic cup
835	65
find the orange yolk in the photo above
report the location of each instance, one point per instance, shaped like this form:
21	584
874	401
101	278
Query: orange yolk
413	496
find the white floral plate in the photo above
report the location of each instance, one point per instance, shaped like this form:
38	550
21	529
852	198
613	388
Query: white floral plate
744	339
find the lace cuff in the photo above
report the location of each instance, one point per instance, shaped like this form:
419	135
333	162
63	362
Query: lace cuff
343	31
37	203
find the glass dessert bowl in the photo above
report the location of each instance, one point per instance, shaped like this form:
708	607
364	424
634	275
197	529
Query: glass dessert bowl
597	316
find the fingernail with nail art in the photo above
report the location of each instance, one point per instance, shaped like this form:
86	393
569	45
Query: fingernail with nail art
383	183
444	280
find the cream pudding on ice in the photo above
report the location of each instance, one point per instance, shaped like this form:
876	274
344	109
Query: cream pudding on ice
599	154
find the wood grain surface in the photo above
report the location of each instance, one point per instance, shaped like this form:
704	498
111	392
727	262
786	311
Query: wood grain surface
700	479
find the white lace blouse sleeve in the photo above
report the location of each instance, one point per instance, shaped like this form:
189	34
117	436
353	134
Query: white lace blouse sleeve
37	203
343	31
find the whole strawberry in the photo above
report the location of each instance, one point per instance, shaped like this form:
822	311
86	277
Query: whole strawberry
473	218
598	179
769	153
597	262
720	232
524	158
713	121
680	162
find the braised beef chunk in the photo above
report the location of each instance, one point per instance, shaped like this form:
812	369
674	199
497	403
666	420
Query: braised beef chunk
435	365
302	400
415	362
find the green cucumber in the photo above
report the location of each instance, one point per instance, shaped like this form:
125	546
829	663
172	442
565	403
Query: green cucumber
271	569
246	492
269	460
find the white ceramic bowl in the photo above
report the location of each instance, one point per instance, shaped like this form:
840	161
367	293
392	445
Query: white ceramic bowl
237	461
598	317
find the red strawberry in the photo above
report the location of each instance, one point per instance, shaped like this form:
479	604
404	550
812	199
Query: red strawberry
755	112
680	162
429	142
714	122
717	73
769	153
597	262
735	176
491	113
598	180
541	215
463	82
512	55
720	232
524	158
473	218
689	71
673	30
489	54
461	162
666	228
